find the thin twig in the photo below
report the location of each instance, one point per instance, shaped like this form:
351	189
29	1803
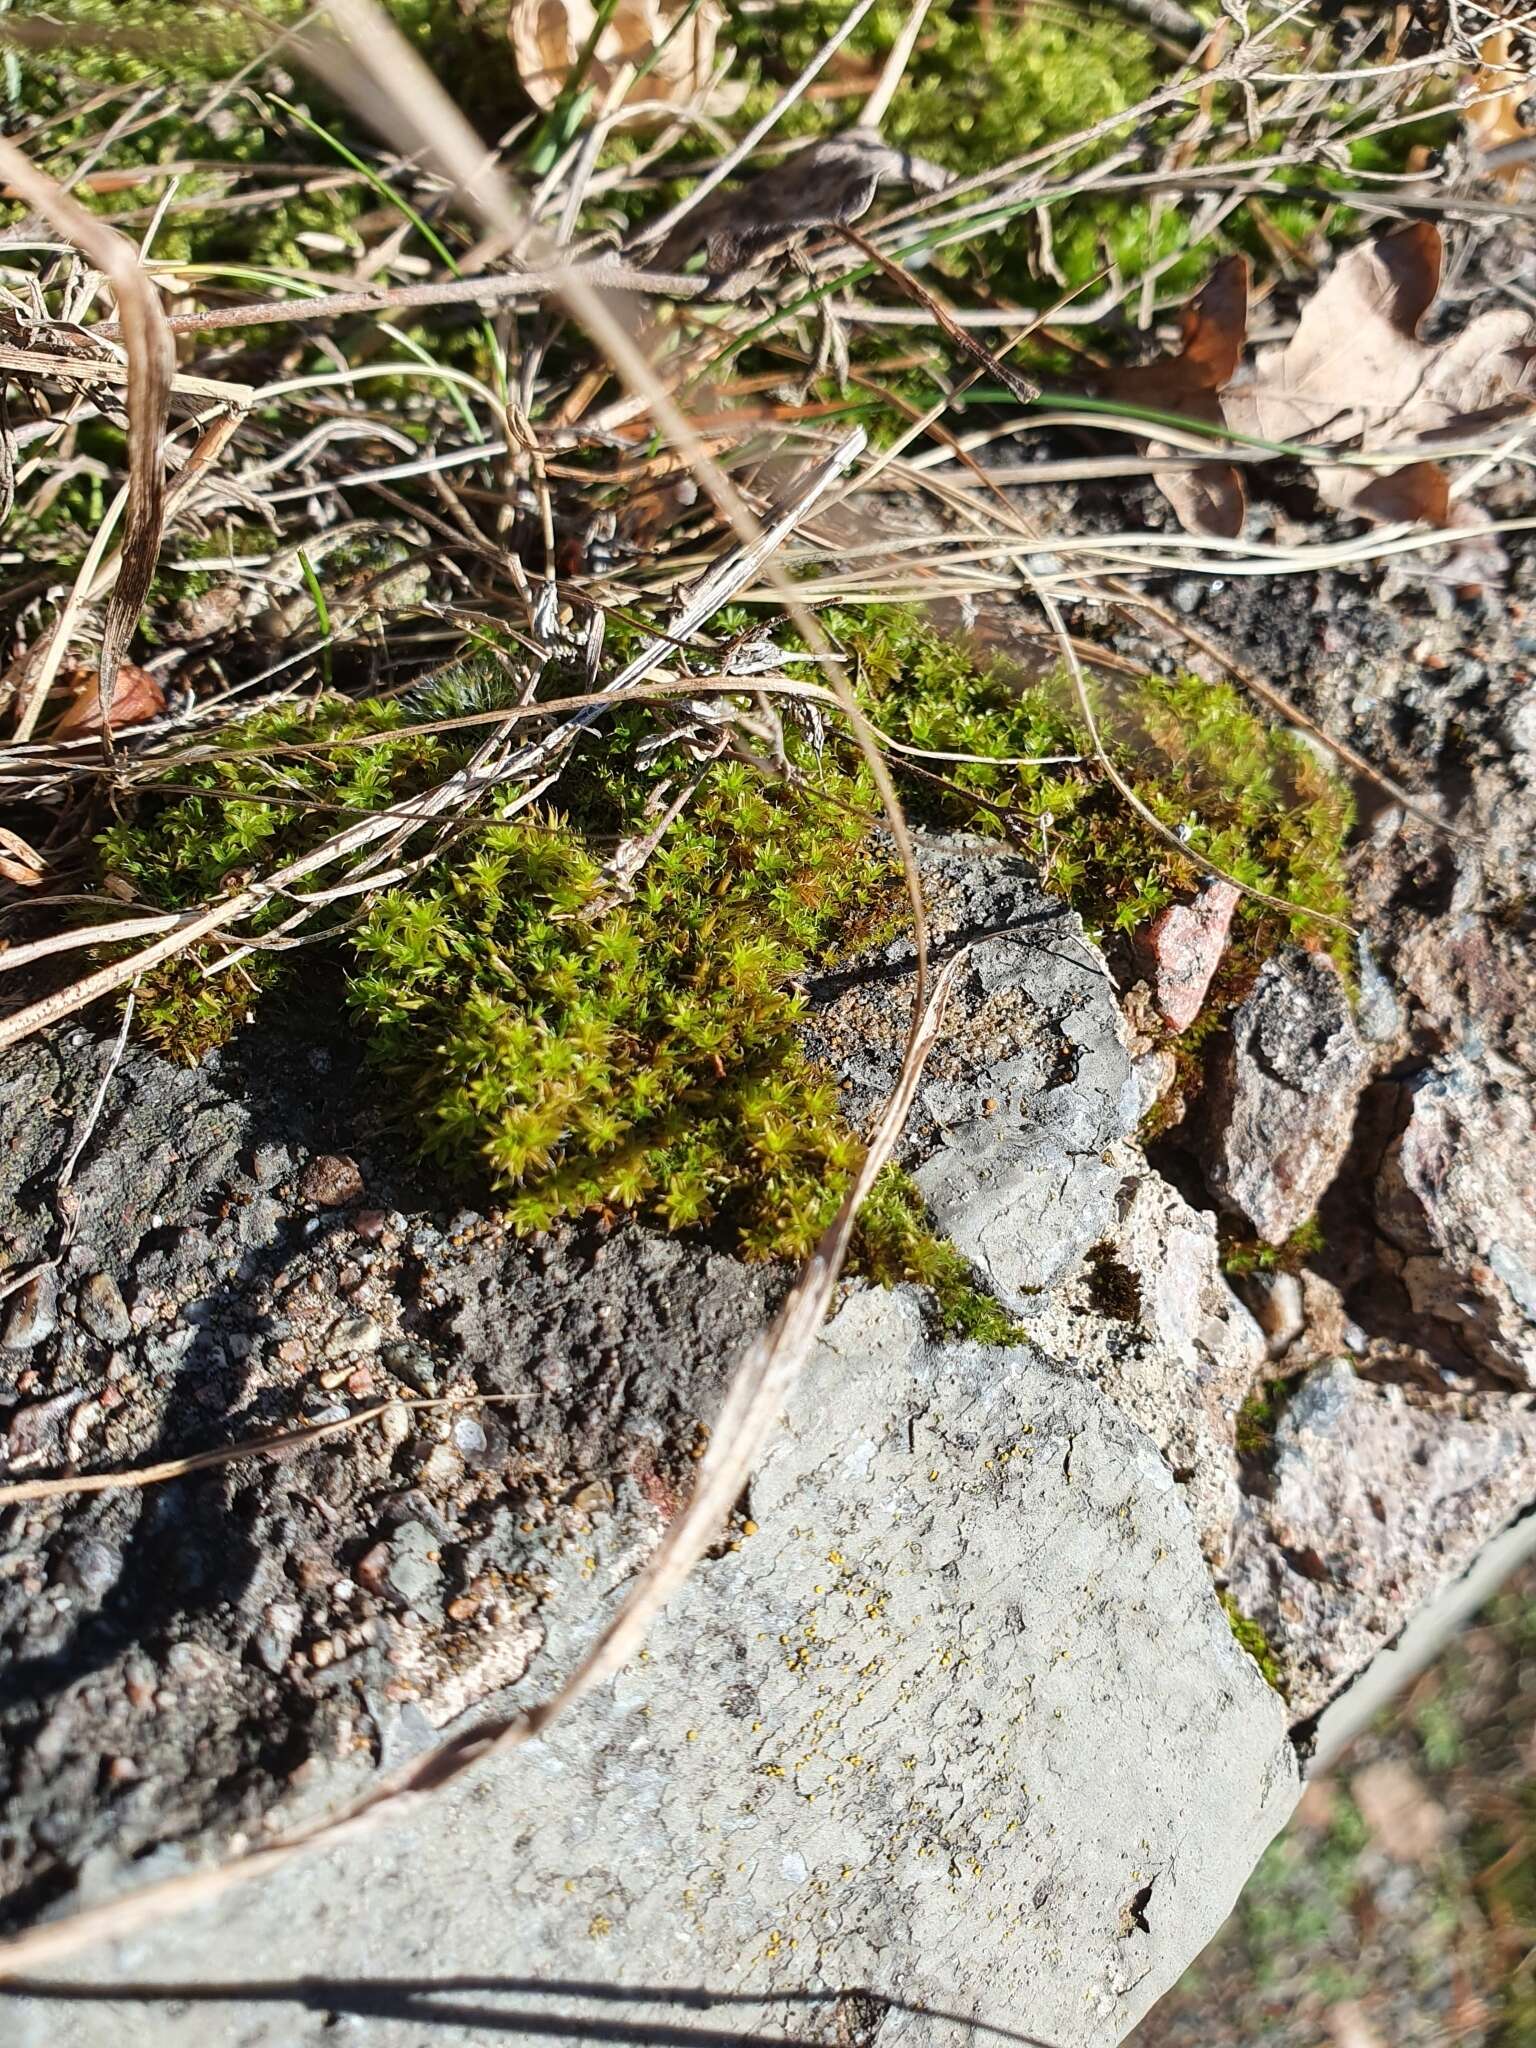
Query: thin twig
273	1445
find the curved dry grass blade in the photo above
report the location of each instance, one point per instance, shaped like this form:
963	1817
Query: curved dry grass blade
68	1485
151	370
878	105
493	290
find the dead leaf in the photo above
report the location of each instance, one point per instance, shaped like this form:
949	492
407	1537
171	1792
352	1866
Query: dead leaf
136	696
20	864
548	37
1355	372
1354	375
1209	498
827	184
1493	116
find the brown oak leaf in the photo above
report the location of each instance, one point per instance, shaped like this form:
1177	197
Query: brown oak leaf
679	44
136	696
1210	497
1354	377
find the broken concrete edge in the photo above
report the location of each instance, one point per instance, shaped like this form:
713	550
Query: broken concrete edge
1040	1026
1322	1741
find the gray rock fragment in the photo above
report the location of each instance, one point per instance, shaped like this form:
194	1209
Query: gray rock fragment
414	1574
354	1337
1026	1091
1159	1331
963	1723
91	1566
1456	1201
271	1643
1378	1012
1282	1095
1377	1499
411	1362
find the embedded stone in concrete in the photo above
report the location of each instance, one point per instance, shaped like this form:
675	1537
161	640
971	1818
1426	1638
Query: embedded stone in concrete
1027	1090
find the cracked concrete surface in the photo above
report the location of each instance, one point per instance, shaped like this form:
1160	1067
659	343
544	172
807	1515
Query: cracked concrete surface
961	1728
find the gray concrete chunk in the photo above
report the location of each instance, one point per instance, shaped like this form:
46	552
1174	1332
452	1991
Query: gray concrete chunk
961	1727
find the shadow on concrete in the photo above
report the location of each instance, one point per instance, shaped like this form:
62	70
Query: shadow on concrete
854	2017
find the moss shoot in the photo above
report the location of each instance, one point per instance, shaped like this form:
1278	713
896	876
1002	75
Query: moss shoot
1241	1254
1251	1637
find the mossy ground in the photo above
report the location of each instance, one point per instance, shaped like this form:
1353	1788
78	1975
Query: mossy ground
587	1048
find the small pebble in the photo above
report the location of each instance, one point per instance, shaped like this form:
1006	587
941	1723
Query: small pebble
331	1181
139	1682
91	1565
1277	1308
191	1662
274	1639
34	1312
36	1430
469	1437
103	1310
370	1569
442	1466
414	1572
353	1334
412	1363
269	1163
370	1224
395	1424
